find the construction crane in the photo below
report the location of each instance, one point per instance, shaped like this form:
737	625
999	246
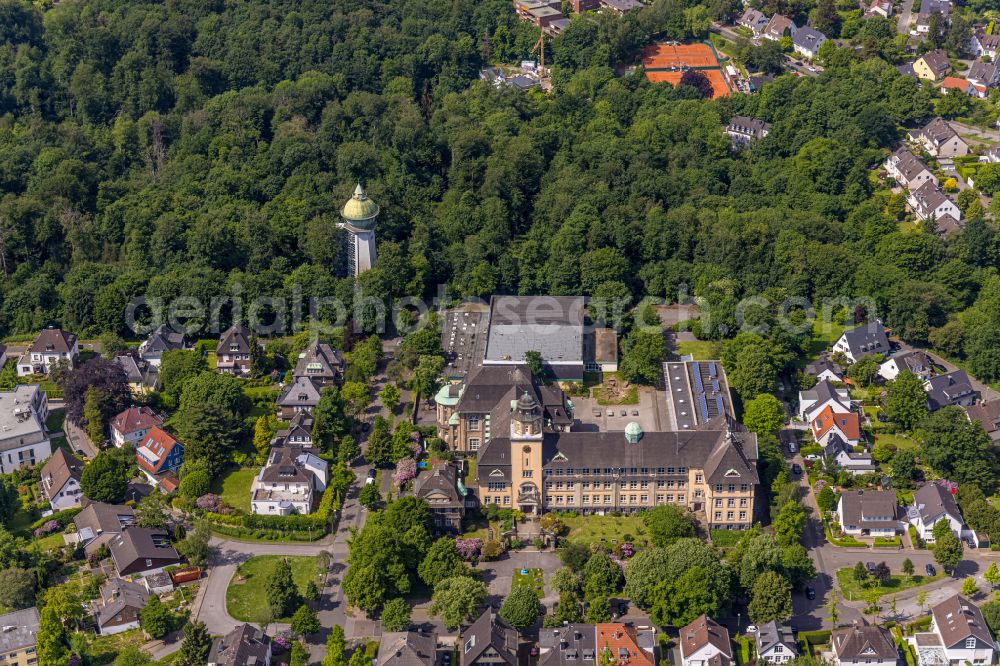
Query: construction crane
540	47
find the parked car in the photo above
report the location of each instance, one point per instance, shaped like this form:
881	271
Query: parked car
751	629
970	542
792	447
871	567
371	477
81	455
812	456
930	570
810	593
796	469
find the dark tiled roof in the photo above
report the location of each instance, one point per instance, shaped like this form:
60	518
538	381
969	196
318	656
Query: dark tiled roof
443	478
117	595
406	648
236	335
869	338
161	340
704	631
140	543
245	645
932	500
865	642
862	507
53	340
957	619
60	468
488	631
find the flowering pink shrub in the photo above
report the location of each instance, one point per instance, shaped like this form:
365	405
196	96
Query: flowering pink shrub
406	469
209	502
282	642
49	527
468	549
627	550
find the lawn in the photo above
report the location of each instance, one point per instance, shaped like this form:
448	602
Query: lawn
824	334
588	529
897	440
470	474
852	589
701	350
54	423
51	542
247	600
235	487
630	397
534	578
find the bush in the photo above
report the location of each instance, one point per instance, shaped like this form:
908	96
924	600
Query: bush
64	518
915	538
887	542
492	550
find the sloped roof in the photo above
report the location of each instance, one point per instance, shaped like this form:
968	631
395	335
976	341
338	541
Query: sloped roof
60	468
100	518
987	413
303	392
622	642
318	360
238	335
137	543
162	339
849	423
243	646
948	388
937	61
704	631
406	648
932	500
771	633
957	619
808	38
863	642
860	507
488	630
53	340
155	445
117	595
134	419
869	338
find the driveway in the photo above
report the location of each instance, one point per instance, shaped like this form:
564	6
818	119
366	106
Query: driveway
903	23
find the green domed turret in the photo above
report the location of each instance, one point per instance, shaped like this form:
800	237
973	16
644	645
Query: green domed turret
360	211
633	433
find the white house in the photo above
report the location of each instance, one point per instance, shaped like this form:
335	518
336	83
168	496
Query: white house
908	170
871	512
132	424
60	481
825	370
24	441
821	396
776	643
287	483
831	423
51	346
958	635
705	642
931	505
855	462
754	20
865	340
917	362
807	41
929	201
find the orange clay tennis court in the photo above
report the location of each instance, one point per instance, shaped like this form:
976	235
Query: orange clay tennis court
666	63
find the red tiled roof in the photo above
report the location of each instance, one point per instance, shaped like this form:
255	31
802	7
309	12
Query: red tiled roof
159	443
615	637
135	418
954	82
849	423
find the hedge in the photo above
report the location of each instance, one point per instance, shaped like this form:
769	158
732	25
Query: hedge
817	637
64	518
887	542
922	624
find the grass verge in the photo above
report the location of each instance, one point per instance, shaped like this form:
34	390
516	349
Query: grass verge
854	590
247	600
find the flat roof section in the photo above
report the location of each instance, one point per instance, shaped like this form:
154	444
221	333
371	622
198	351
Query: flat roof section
698	392
463	337
550	325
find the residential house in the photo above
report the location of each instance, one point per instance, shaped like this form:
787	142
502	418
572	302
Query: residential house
778	27
991	155
775	643
53	345
488	640
949	83
321	363
743	131
287	483
932	504
933	65
985	73
24	440
98	523
541	14
753	20
938	138
928	201
958	635
870	512
159	455
825	370
60	482
865	644
17	640
302	395
988	416
922	23
298	432
912	360
119	607
705	642
245	645
865	340
406	648
142	376
947	224
806	41
621	7
135	492
881	8
953	388
847	457
132	424
986	45
581	6
445	494
908	170
568	645
622	644
232	355
821	396
943	7
829	423
160	341
906	69
140	550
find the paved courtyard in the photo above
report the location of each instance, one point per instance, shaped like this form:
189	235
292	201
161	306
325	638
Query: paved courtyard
615	417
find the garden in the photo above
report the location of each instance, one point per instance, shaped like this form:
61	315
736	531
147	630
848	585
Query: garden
534	578
854	589
246	597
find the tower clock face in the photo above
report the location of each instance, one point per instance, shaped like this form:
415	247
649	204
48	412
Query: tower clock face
526	449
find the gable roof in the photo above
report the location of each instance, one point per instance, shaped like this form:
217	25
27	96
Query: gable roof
808	38
948	388
318	360
153	450
287	465
819	366
99	518
236	335
303	392
938	130
987	413
704	631
568	645
621	640
406	648
60	468
957	619
243	646
53	340
982	71
134	419
848	423
907	164
863	642
928	198
488	630
871	508
162	339
118	594
443	479
140	543
932	500
824	391
771	634
947	224
778	24
869	338
748	126
953	82
937	61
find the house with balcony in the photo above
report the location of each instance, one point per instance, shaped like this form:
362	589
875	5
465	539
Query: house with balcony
232	355
53	345
958	635
321	363
132	424
24	440
950	389
98	523
288	483
159	455
445	494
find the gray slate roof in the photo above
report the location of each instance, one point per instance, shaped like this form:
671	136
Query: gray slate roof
958	619
117	595
303	392
568	645
25	623
246	645
771	634
869	338
406	648
865	642
488	630
869	509
932	500
948	389
808	38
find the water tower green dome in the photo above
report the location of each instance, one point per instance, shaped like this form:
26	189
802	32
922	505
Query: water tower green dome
359	208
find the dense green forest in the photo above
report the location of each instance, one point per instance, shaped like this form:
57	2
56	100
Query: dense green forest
188	146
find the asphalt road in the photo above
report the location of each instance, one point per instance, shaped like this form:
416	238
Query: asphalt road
903	22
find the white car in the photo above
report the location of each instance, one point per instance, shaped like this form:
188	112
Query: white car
751	629
812	456
812	69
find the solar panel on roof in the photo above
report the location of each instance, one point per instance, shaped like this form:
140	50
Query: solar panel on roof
698	386
711	368
703	405
719	404
715	385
